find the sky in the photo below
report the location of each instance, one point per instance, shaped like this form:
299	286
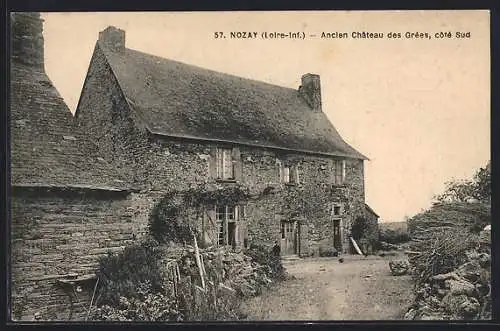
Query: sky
419	109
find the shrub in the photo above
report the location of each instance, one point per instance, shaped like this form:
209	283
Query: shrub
120	274
166	222
359	228
145	306
134	287
394	237
261	255
213	304
327	251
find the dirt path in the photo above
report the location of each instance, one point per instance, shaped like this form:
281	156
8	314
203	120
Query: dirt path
324	289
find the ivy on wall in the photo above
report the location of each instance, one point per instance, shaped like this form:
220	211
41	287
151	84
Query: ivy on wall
307	201
169	219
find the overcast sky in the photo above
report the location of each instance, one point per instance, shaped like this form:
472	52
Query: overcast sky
418	108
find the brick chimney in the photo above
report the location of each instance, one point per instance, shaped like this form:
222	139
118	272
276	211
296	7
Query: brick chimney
310	90
27	39
113	38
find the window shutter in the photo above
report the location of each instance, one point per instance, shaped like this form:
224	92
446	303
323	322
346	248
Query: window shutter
212	163
296	168
237	164
242	226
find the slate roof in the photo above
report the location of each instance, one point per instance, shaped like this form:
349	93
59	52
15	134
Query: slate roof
46	147
182	100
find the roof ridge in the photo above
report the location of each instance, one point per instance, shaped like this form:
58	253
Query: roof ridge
212	70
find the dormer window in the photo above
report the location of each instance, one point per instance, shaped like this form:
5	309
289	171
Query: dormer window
224	161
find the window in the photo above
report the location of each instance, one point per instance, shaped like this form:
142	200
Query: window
338	172
286	174
226	217
224	160
336	209
290	174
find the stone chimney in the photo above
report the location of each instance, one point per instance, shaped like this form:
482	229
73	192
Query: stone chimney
27	39
113	38
310	90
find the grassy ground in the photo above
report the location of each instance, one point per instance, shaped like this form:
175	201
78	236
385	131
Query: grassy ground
324	289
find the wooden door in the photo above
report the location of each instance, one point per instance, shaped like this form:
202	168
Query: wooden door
337	240
289	237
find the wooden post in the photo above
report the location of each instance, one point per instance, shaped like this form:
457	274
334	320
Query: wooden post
198	261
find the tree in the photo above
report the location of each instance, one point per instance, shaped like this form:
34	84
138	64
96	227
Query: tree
477	189
359	228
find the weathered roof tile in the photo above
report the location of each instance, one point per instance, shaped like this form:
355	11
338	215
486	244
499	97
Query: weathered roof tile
177	99
46	147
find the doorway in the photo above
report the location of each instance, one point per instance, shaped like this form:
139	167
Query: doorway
337	238
289	237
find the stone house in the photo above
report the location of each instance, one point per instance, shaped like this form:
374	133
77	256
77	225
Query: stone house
173	127
68	205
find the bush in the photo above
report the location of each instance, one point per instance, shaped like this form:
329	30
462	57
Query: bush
166	222
394	237
359	228
261	255
119	274
145	306
327	251
213	304
134	287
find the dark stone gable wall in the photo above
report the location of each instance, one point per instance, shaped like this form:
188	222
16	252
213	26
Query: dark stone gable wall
159	165
54	234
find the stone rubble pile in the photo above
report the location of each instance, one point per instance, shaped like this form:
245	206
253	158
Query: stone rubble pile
235	270
464	293
399	267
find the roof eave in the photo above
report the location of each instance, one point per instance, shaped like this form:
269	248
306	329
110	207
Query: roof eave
162	134
76	187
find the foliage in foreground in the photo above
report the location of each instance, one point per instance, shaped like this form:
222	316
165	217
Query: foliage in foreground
442	252
120	274
126	294
261	255
144	306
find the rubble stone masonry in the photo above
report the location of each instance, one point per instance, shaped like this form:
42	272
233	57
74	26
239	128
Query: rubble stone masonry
56	233
159	164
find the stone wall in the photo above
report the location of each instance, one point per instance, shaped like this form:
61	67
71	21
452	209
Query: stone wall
57	233
159	165
309	202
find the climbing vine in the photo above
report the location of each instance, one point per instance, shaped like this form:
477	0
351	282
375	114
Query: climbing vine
169	219
307	201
